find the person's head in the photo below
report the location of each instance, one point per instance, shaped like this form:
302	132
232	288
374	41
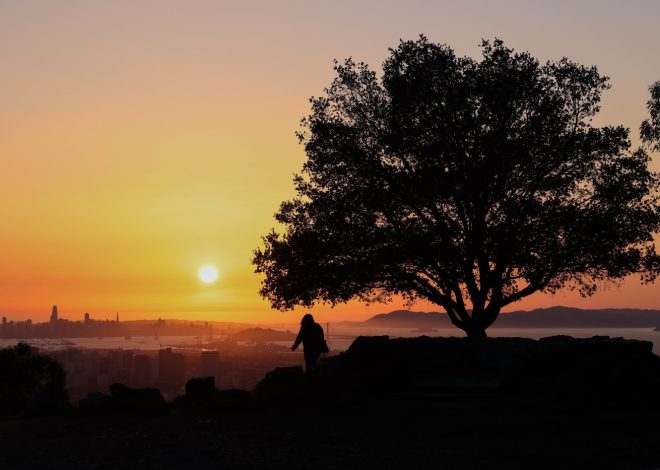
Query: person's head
307	319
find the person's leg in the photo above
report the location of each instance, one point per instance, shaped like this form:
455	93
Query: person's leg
315	363
311	363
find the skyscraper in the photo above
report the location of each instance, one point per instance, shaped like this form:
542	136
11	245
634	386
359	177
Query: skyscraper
54	315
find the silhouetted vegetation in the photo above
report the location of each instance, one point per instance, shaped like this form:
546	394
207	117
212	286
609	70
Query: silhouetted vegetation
30	383
650	129
470	184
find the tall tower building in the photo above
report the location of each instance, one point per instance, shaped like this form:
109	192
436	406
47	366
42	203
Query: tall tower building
86	317
53	314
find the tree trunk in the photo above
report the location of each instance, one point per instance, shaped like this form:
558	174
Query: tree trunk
475	332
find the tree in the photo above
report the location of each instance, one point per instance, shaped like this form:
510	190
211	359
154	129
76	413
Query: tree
30	382
470	184
650	129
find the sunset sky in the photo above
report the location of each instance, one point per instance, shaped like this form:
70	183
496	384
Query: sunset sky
141	140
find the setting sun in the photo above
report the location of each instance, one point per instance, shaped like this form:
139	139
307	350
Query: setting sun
208	274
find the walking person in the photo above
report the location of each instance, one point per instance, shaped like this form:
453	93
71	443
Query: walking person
311	337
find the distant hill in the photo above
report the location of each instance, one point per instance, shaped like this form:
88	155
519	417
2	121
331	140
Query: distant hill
409	319
262	335
553	317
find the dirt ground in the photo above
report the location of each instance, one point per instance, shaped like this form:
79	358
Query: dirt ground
349	437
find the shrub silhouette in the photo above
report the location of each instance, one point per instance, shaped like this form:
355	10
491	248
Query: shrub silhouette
30	383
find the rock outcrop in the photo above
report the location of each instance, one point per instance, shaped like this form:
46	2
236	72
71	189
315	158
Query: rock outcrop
203	397
557	370
126	400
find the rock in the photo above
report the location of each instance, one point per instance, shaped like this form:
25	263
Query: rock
555	370
203	397
281	381
368	348
235	400
591	371
139	401
200	388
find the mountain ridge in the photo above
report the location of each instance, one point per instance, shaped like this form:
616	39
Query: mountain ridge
552	317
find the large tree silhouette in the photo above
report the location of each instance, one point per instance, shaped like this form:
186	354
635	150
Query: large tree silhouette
471	184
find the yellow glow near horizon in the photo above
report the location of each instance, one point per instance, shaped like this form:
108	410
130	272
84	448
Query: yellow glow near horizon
208	274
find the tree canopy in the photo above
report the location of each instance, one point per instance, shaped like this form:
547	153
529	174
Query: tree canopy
650	129
467	183
30	382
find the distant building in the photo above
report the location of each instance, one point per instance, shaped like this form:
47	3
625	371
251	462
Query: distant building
142	370
4	322
116	359
73	355
94	363
127	359
86	317
54	315
210	363
171	369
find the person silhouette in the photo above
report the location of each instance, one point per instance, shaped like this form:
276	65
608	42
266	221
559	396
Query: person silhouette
311	337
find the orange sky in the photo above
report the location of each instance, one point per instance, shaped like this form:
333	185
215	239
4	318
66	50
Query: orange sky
141	140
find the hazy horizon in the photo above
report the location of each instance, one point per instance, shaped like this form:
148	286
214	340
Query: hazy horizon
295	319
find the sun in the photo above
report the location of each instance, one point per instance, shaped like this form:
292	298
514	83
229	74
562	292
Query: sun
208	274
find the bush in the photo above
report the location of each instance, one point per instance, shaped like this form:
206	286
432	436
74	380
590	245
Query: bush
30	383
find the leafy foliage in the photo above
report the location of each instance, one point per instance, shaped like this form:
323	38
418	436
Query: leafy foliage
471	184
650	129
30	382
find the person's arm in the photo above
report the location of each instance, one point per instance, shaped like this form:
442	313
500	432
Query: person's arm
298	340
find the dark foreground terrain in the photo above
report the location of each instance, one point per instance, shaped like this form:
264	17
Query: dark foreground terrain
377	436
413	403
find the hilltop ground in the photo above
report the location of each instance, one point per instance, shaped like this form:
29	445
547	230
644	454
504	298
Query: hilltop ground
411	403
376	437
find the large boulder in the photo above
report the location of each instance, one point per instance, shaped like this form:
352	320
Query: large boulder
590	371
200	388
203	397
555	370
139	401
282	383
